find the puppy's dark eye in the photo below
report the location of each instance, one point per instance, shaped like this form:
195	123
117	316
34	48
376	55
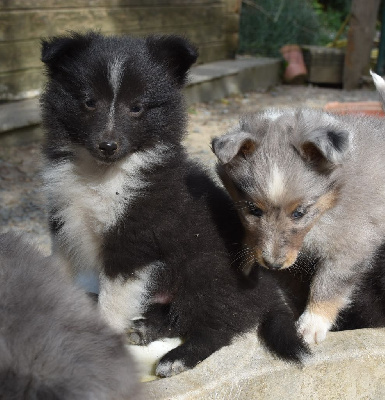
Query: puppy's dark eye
136	110
90	104
298	213
254	210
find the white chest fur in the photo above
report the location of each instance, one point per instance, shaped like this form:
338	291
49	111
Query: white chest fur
89	199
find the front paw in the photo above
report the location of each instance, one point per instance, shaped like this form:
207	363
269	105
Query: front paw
180	359
139	333
313	327
167	368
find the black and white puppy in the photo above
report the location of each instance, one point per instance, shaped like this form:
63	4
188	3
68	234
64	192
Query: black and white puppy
53	343
127	206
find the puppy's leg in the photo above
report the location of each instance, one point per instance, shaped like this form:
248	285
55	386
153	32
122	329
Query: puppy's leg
154	325
123	299
197	347
330	292
318	319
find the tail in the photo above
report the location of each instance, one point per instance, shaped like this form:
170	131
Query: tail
380	86
279	335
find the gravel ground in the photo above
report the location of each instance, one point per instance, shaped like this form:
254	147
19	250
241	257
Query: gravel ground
21	198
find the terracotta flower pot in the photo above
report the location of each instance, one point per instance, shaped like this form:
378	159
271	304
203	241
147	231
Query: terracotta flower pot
358	107
295	71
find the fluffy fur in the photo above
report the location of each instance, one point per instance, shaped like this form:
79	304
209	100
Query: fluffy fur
309	186
127	204
53	343
367	306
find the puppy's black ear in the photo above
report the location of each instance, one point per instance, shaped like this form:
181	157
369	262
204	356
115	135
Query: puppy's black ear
55	49
175	52
233	145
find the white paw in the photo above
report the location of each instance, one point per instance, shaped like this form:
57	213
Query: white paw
170	368
313	327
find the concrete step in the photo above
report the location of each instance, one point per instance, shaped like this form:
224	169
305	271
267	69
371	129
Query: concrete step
19	114
347	366
207	82
220	79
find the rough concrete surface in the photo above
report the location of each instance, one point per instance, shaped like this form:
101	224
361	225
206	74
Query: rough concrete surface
348	365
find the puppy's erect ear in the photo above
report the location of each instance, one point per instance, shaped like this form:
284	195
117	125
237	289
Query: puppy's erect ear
325	147
233	145
175	52
55	49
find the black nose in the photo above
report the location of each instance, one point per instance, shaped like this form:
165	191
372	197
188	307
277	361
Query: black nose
108	148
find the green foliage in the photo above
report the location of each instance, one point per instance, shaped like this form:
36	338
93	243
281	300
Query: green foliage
267	25
331	16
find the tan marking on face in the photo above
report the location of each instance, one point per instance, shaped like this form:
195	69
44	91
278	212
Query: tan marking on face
257	240
260	204
327	201
258	257
291	257
327	309
294	248
324	203
291	207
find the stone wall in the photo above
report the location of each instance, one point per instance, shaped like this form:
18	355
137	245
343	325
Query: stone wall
211	24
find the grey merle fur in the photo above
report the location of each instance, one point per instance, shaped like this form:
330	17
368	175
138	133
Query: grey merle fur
127	205
309	184
53	343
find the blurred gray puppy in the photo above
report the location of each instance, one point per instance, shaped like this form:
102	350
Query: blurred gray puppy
53	344
309	184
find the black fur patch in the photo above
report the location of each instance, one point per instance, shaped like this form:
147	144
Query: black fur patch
338	140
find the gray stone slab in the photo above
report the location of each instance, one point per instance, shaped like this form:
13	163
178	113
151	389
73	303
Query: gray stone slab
218	69
214	81
19	114
347	366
